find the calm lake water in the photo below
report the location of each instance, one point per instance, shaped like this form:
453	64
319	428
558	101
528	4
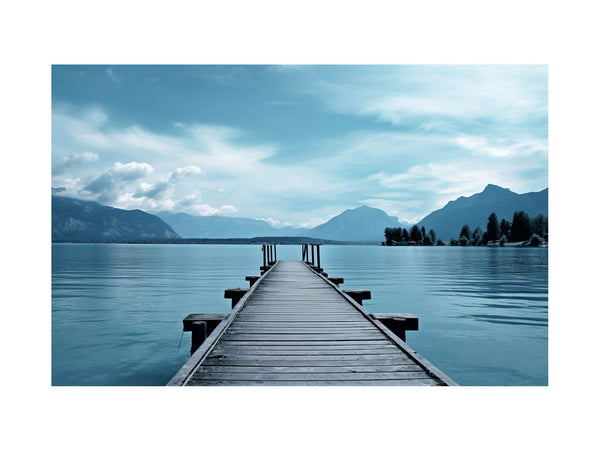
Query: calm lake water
117	308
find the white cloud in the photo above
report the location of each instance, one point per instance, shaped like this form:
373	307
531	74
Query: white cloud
500	147
509	94
220	150
192	204
66	181
73	160
271	221
183	172
110	183
275	223
311	223
80	157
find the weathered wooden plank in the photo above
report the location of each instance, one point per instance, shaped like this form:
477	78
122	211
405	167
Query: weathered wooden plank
346	333
409	382
312	344
312	352
298	337
291	344
333	376
297	329
326	360
318	369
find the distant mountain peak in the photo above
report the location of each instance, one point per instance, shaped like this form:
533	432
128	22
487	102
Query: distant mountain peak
493	187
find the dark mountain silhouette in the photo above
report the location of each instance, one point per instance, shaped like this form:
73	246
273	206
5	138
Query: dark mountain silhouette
474	210
83	221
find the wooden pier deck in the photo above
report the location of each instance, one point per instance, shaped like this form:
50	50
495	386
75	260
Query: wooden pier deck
296	327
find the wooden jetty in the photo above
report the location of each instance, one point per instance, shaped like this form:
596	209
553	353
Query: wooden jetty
295	326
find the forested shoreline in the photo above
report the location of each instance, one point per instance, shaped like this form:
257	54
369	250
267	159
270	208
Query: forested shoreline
522	230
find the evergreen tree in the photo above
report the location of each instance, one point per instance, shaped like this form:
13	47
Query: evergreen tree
493	229
463	241
538	224
405	235
453	242
427	240
476	237
521	227
432	235
440	242
415	234
465	231
423	233
535	241
504	227
388	236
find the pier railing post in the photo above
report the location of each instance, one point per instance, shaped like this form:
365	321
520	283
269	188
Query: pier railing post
312	252
264	250
275	250
319	256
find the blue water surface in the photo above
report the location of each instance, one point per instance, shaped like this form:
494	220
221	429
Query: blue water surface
117	308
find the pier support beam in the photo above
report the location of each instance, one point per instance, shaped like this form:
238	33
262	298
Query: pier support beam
199	334
201	325
359	296
252	279
336	280
398	323
235	295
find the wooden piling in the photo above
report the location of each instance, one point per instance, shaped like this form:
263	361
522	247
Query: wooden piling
359	295
235	295
198	334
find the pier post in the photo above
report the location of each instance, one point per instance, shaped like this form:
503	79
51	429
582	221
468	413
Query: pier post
336	280
319	256
235	295
251	279
275	250
359	296
312	252
198	334
264	250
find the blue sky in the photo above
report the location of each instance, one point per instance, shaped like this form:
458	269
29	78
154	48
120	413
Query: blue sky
296	145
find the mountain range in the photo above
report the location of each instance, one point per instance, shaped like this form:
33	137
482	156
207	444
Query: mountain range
77	220
361	224
475	210
80	221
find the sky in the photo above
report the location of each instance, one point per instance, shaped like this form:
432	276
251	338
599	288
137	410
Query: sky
296	145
